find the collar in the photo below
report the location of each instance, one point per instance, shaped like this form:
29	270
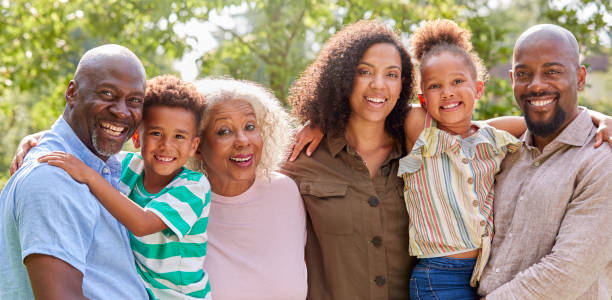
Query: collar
577	133
339	143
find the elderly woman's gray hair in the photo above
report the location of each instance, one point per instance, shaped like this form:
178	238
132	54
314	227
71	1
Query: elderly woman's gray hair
275	123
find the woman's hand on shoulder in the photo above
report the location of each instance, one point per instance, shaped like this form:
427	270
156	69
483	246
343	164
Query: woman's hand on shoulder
308	135
604	128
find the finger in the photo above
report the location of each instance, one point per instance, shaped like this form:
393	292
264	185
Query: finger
297	148
14	166
610	141
313	146
598	139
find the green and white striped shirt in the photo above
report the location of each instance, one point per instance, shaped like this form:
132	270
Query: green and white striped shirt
170	261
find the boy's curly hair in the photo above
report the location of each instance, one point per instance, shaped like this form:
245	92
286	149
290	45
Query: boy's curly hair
170	91
435	37
321	94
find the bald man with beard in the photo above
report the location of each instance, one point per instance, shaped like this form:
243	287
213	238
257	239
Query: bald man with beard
56	240
553	198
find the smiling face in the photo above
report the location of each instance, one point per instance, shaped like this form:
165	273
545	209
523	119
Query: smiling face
168	138
105	104
377	84
231	146
545	79
450	89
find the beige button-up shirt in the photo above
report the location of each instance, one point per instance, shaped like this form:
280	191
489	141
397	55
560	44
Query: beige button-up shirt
553	220
357	243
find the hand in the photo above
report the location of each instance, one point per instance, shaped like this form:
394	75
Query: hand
72	165
306	135
24	147
604	132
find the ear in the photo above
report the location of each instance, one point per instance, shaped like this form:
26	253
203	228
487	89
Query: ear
479	89
511	74
194	146
70	94
136	138
421	100
198	154
581	78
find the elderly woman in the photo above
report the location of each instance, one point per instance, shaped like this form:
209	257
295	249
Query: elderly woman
256	227
357	91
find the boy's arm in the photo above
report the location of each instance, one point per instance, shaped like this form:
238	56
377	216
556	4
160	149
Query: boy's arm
138	221
514	125
414	123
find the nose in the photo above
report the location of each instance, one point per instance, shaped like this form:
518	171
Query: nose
447	92
537	84
377	82
119	108
241	138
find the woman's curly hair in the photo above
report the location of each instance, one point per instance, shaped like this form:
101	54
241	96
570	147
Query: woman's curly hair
275	124
437	36
321	94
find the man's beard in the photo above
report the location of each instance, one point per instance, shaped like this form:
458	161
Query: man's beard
107	149
548	128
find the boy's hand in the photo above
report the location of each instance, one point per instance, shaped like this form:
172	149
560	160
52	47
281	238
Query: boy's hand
27	143
604	132
306	135
72	165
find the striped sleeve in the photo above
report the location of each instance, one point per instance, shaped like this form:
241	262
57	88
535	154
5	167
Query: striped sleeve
185	201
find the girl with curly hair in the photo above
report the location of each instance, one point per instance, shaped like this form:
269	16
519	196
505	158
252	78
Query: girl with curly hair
357	91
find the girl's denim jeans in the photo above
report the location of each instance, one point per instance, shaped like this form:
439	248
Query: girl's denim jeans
442	278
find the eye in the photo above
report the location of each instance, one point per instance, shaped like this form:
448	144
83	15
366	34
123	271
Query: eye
136	100
364	72
155	133
393	75
552	72
250	127
458	81
179	136
433	86
223	131
520	74
106	94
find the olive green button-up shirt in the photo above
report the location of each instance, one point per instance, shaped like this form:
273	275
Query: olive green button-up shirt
357	245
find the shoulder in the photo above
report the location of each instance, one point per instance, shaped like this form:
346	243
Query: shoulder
414	123
279	182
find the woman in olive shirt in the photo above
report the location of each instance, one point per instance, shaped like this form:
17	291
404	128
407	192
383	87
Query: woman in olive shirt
357	91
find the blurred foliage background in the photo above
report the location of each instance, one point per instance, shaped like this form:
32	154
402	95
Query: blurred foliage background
268	41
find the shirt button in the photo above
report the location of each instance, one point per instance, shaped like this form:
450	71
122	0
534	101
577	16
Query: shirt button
373	201
521	198
475	203
470	180
537	163
482	223
465	160
380	281
377	241
497	270
385	170
105	171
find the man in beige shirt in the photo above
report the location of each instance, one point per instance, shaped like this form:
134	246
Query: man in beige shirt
553	198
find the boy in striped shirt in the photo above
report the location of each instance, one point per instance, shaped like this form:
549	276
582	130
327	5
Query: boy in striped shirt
166	210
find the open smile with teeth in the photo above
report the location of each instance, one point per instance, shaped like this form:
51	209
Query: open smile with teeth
376	100
241	159
452	105
540	102
164	158
114	130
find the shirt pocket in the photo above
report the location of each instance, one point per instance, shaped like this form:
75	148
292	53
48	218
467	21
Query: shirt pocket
328	206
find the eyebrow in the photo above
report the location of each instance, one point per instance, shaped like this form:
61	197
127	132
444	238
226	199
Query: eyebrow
179	130
548	64
371	65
